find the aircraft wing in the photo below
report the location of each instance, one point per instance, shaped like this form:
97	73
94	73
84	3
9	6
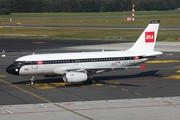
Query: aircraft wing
94	70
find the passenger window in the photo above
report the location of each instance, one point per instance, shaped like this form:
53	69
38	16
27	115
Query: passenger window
34	62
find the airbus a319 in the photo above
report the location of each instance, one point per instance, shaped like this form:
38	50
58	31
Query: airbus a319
80	66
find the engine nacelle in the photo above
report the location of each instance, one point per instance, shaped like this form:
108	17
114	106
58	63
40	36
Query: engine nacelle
75	77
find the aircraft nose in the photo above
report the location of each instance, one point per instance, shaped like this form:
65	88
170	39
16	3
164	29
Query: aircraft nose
12	69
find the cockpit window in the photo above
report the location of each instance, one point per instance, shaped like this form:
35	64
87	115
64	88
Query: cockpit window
15	63
19	63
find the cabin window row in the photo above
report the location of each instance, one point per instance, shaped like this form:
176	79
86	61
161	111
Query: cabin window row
84	60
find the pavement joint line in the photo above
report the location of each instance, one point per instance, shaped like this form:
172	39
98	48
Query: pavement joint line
39	42
45	100
167	101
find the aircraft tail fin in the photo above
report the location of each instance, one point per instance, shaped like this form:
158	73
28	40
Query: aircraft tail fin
146	42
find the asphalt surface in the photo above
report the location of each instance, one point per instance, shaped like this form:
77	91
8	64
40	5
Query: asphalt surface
157	80
21	45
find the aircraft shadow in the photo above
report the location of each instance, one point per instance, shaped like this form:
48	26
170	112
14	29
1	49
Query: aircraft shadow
142	74
152	73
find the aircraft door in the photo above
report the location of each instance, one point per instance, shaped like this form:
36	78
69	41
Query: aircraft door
132	60
76	61
34	63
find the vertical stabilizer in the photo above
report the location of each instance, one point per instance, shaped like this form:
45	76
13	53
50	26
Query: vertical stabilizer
147	40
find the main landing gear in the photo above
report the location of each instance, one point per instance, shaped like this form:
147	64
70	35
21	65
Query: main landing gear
90	79
32	80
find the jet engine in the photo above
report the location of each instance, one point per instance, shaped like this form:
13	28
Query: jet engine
75	77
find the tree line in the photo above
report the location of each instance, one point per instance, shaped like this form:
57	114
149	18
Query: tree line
29	6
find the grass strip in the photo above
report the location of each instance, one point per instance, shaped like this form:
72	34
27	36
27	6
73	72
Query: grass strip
83	34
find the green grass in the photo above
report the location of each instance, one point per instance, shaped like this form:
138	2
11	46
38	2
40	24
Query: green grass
142	18
90	15
83	34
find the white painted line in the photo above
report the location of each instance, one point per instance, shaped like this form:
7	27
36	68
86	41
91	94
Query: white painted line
43	105
8	111
3	55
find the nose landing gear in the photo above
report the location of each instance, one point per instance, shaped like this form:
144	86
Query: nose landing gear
32	80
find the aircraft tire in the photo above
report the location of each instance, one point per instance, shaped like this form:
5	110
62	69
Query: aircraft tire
92	82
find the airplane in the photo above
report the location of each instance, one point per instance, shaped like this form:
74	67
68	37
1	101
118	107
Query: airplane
80	66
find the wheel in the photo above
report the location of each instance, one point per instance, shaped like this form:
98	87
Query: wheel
92	81
90	78
32	83
32	80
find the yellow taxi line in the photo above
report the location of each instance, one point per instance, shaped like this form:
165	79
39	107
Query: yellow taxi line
45	99
163	61
173	77
40	86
